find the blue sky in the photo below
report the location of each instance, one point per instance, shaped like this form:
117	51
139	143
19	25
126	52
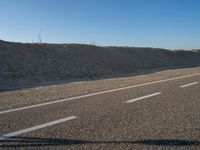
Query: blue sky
172	24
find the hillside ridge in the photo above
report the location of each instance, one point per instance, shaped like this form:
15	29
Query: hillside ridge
26	64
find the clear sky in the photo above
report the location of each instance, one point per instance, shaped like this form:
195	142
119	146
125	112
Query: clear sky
169	24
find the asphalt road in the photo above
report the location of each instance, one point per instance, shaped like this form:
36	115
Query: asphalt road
164	114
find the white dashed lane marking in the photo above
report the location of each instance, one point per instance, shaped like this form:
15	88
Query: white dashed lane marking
13	134
143	97
187	85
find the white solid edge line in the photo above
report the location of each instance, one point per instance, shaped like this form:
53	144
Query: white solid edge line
13	134
143	97
97	93
190	84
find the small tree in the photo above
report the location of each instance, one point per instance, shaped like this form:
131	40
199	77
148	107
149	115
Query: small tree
39	37
93	43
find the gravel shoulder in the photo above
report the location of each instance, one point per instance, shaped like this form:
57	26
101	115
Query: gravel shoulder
28	96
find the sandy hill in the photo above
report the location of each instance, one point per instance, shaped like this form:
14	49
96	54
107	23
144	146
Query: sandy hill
32	64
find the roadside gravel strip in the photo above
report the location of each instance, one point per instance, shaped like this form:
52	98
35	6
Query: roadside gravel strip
97	93
37	95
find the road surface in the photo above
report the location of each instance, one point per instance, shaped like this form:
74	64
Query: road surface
160	114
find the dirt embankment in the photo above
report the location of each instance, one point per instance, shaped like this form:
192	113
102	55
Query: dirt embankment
34	64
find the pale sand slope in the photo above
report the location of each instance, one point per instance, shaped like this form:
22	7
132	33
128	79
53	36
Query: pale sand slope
34	64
